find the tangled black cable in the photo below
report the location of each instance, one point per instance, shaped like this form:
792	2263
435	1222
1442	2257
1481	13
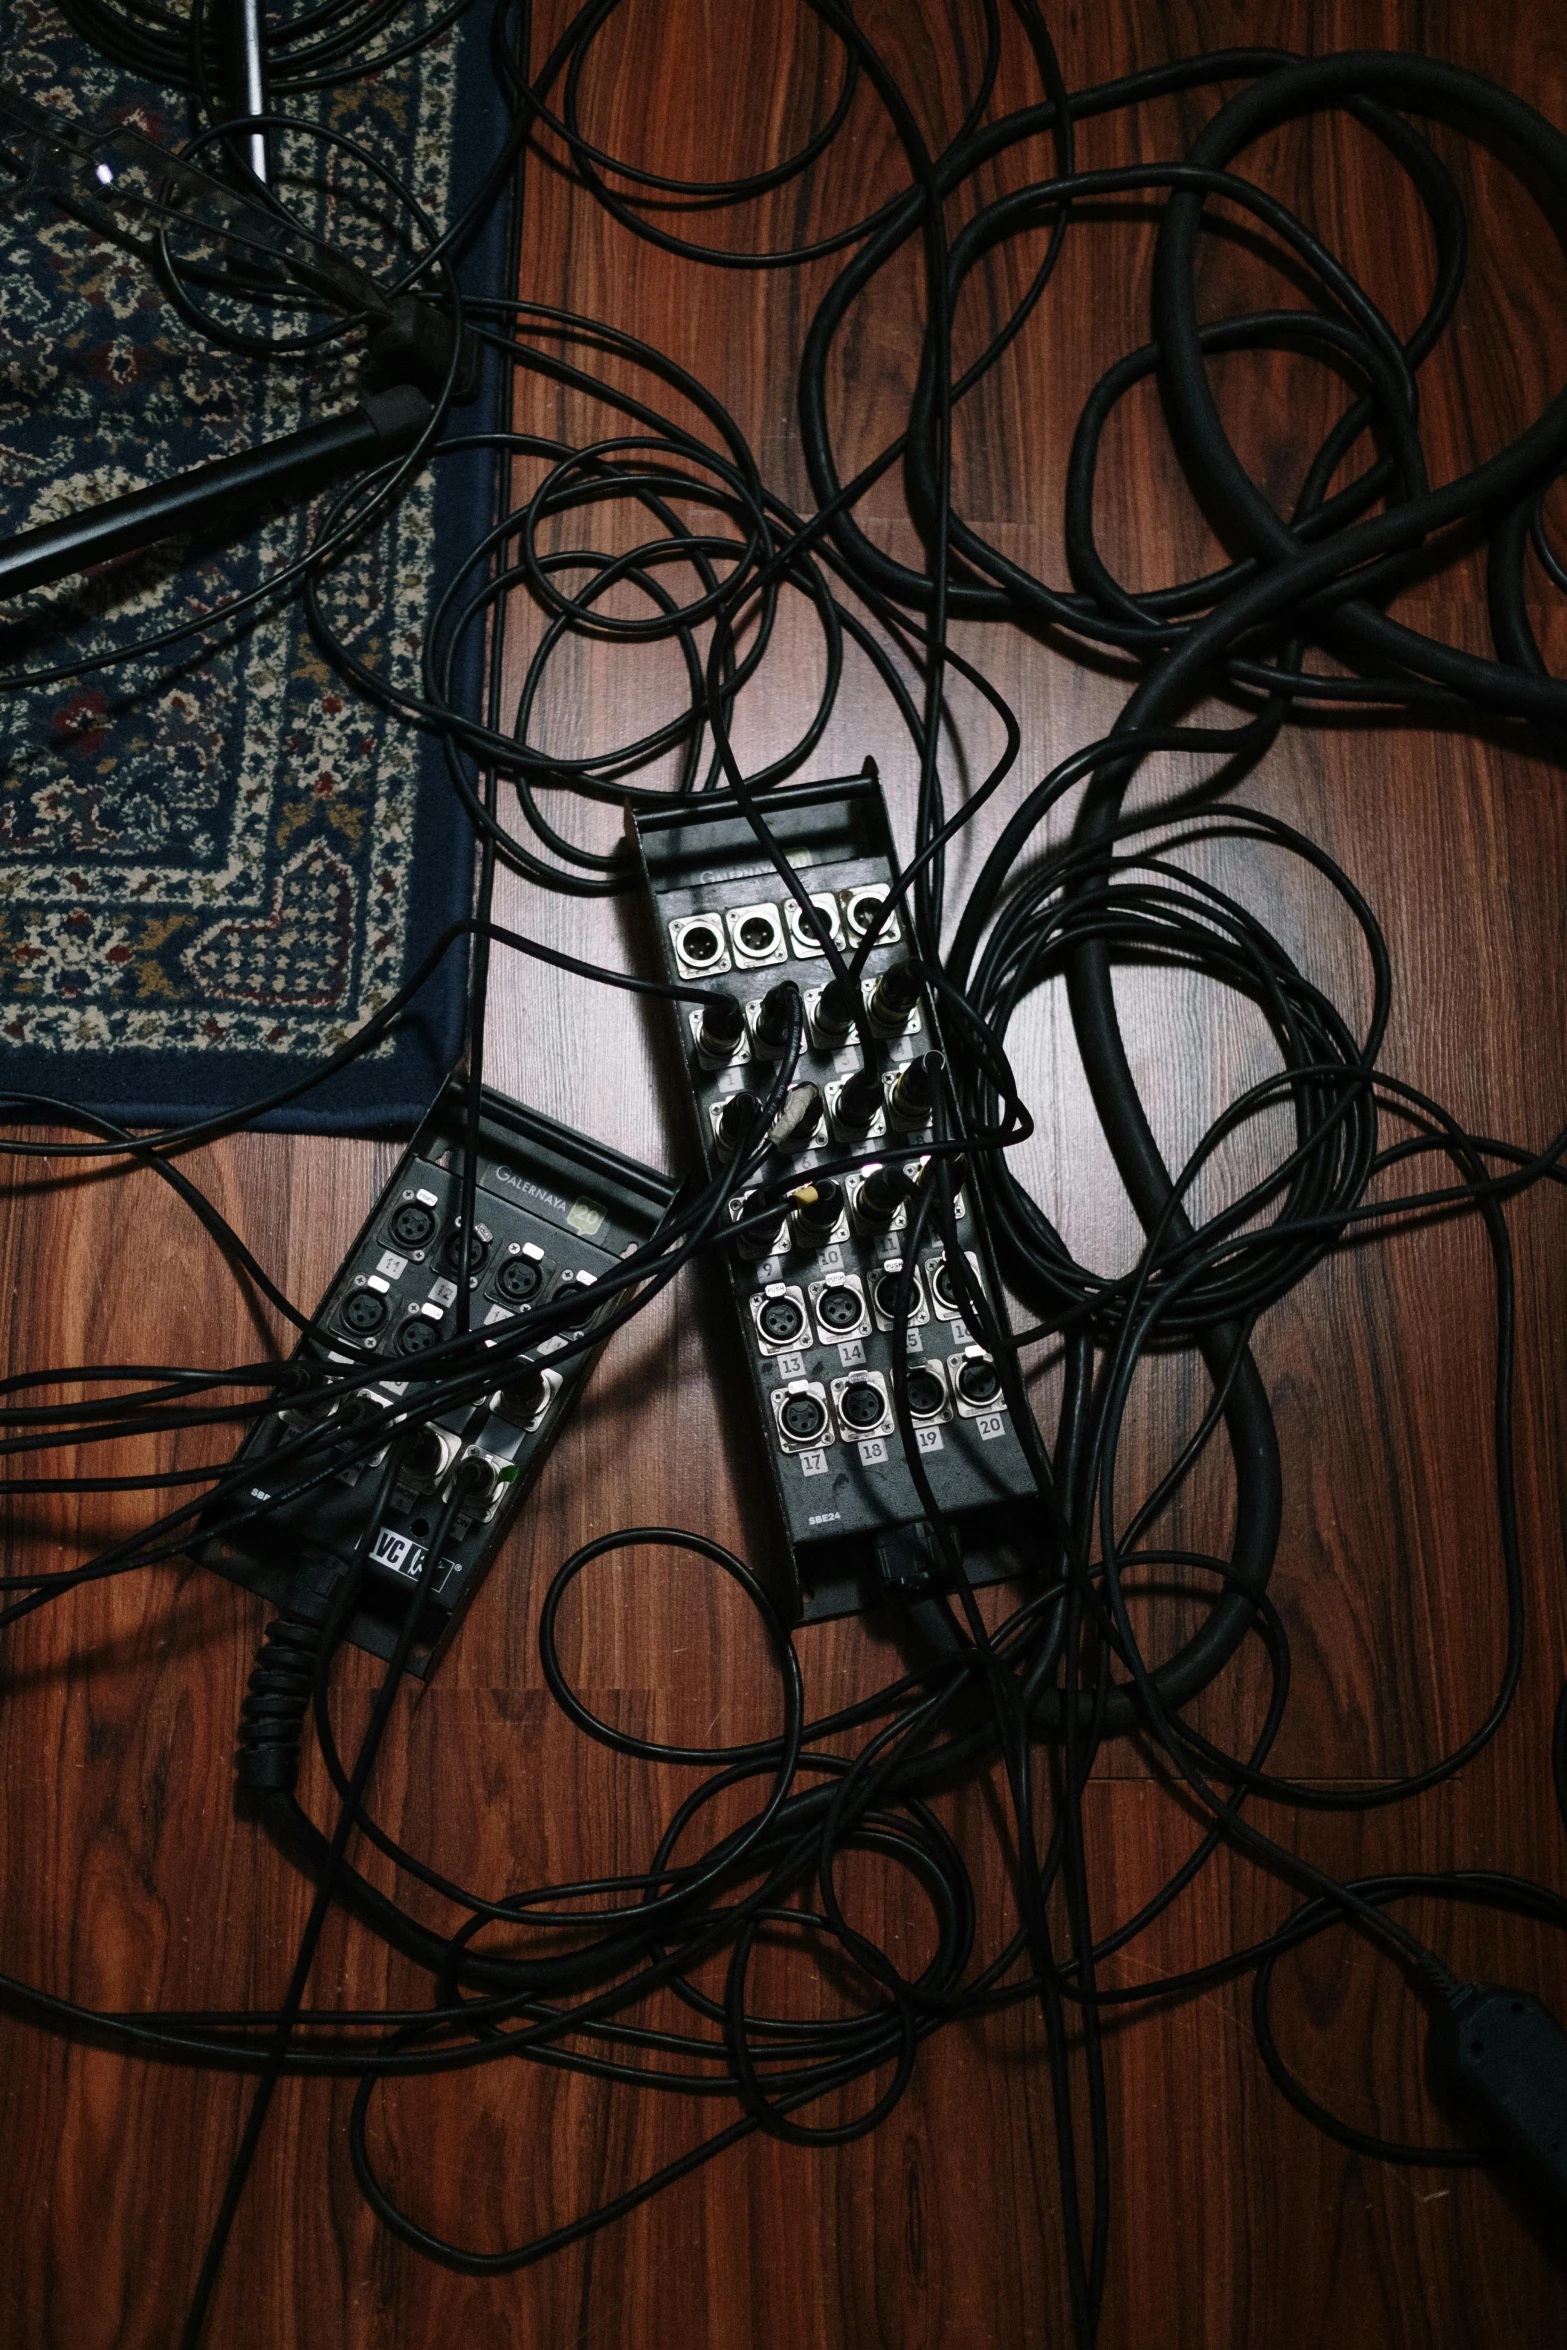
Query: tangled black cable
324	47
1338	1139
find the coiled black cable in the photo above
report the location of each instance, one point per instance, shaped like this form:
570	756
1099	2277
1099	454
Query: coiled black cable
723	551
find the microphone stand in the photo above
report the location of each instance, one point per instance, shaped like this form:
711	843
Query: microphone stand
382	424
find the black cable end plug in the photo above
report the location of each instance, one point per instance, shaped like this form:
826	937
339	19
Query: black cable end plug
859	1104
895	995
776	1017
1506	2056
721	1031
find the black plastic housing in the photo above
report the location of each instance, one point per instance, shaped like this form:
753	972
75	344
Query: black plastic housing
857	1536
414	346
1507	2056
546	1197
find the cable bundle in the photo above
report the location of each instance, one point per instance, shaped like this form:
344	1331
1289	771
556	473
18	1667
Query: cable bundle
1366	1154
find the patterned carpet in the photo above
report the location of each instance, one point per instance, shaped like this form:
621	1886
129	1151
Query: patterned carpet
212	871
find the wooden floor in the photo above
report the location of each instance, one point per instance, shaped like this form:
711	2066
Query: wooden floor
130	1881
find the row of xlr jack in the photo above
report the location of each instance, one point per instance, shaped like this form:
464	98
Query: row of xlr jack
726	1030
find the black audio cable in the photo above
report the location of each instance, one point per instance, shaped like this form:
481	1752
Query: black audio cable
1336	1140
309	1942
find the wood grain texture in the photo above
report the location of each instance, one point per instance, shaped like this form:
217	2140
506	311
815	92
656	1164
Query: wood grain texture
130	1880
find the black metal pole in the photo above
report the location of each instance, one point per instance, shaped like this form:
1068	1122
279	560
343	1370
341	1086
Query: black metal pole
380	426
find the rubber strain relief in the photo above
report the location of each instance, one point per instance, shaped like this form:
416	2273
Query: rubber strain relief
272	1718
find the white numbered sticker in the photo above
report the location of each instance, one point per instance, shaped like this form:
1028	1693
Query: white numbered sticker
790	1367
851	1351
873	1451
392	1265
407	1558
832	1259
960	1333
990	1427
928	1439
813	1464
913	1342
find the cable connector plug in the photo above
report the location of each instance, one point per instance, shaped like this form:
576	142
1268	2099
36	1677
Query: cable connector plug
1506	2055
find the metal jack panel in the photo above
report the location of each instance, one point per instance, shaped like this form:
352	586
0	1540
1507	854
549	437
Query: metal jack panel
857	1536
